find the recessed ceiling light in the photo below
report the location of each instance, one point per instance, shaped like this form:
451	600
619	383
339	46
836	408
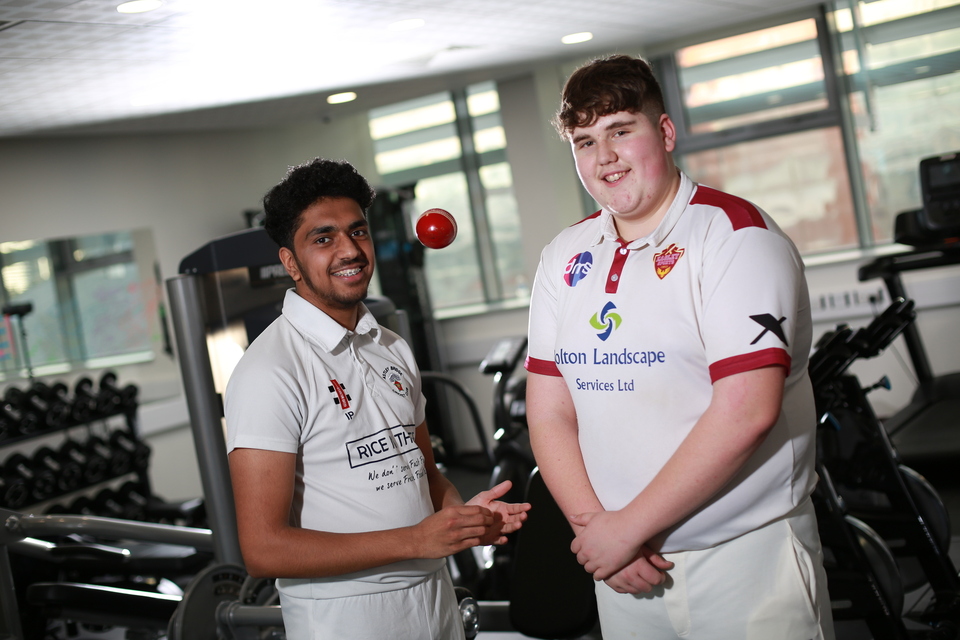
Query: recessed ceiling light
139	6
340	98
407	25
574	38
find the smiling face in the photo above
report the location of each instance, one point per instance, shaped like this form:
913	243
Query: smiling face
332	258
624	162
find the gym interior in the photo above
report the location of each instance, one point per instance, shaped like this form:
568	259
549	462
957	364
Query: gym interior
134	271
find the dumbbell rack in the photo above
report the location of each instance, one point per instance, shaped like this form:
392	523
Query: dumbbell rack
73	451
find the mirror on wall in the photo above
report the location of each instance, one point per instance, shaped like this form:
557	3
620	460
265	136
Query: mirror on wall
78	303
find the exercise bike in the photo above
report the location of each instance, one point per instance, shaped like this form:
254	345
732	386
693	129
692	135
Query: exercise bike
884	529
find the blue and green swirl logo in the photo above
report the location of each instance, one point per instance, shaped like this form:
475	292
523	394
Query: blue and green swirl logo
606	321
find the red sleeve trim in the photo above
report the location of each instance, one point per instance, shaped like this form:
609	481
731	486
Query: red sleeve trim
543	367
749	362
741	213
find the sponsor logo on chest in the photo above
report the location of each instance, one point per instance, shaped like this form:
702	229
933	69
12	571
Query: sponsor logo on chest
380	446
606	321
341	398
578	268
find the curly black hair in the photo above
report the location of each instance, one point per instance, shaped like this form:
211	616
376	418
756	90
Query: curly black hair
304	185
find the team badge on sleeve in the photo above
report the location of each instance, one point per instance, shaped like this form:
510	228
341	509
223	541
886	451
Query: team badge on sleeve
666	260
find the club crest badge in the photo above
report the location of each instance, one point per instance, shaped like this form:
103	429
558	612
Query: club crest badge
666	260
398	382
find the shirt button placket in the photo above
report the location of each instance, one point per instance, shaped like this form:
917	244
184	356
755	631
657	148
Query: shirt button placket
367	374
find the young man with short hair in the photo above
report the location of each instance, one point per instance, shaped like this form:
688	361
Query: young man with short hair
669	406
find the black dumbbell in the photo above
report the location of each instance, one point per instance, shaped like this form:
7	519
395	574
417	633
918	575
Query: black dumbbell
37	405
135	497
6	429
118	461
71	469
92	467
41	482
26	423
112	398
18	466
106	503
84	405
13	395
11	416
58	402
67	473
137	451
14	492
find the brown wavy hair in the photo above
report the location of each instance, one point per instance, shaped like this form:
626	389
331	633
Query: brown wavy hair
608	85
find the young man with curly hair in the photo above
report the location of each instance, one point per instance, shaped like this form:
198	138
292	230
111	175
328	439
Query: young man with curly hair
336	488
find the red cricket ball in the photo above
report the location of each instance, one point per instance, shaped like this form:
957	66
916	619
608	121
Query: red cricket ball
436	228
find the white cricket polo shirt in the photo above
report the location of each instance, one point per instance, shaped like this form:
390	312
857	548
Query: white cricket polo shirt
639	331
348	403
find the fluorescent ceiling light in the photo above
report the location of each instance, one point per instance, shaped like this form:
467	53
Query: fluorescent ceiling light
574	38
139	6
407	25
340	98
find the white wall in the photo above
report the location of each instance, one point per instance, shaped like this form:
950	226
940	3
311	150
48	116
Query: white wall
187	188
936	293
191	188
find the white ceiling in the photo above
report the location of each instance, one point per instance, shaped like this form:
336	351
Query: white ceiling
80	66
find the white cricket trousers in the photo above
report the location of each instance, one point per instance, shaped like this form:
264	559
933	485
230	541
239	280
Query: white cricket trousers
425	611
768	584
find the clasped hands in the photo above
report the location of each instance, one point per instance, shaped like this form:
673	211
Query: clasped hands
605	547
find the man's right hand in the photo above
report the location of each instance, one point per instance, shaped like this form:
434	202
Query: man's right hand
453	529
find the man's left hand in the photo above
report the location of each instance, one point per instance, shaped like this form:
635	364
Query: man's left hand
508	517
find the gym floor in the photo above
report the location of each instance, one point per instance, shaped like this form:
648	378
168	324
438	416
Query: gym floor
942	474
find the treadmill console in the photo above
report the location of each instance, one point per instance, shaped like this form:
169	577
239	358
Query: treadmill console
940	187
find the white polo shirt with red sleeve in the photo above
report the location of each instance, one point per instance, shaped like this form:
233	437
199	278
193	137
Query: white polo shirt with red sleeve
639	332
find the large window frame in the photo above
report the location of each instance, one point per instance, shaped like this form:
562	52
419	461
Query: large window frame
838	85
497	283
93	302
